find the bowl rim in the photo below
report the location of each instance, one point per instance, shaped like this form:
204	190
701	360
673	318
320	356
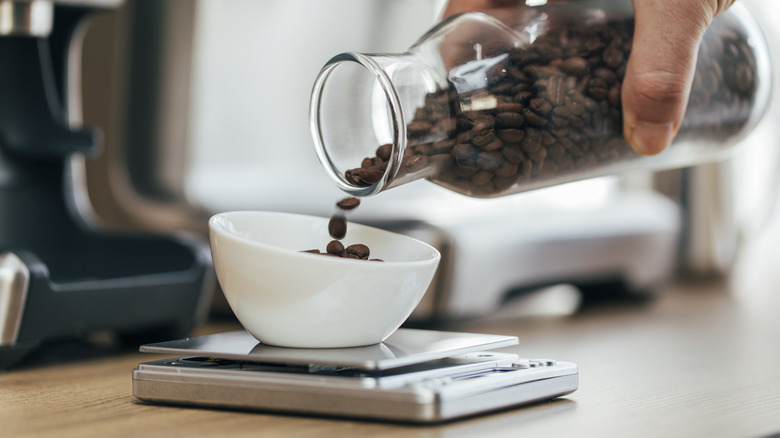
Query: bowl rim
214	227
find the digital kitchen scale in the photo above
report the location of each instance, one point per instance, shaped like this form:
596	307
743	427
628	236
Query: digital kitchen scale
413	376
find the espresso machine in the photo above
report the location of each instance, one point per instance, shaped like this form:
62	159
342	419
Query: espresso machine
61	276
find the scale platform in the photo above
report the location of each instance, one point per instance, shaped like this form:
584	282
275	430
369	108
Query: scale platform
420	376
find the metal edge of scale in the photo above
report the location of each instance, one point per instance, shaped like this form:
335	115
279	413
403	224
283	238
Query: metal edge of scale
403	347
427	400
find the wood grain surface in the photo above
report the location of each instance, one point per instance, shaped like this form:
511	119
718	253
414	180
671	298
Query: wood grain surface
701	359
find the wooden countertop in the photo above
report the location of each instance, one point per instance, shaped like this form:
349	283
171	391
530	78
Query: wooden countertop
699	360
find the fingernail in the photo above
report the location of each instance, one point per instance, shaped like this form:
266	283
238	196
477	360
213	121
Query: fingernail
650	138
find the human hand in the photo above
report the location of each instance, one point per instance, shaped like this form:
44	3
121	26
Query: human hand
660	69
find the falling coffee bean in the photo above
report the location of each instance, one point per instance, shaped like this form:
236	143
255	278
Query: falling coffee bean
350	203
337	227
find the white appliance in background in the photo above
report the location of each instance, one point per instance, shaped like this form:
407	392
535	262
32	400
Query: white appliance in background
504	257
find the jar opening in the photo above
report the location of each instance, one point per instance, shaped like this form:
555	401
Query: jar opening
354	114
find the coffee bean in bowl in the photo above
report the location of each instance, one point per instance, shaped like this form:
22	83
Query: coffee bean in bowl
289	298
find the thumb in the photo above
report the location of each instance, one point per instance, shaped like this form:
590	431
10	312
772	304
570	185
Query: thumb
660	69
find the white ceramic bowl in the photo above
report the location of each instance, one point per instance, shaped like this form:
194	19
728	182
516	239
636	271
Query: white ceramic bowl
289	298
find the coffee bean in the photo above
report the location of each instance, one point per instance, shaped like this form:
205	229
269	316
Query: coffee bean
613	55
363	176
533	118
532	140
463	153
350	203
556	89
384	152
509	107
509	120
605	75
358	250
335	247
510	135
507	169
337	227
483	137
575	102
561	116
512	154
597	88
540	106
418	128
575	66
482	177
614	96
489	160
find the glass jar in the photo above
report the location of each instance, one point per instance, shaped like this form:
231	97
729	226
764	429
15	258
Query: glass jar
486	110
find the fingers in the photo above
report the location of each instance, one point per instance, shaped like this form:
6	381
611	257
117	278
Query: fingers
660	69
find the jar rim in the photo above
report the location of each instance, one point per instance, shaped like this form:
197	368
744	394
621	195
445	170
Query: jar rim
397	122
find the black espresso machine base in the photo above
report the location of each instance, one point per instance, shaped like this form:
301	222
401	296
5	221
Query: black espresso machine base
61	277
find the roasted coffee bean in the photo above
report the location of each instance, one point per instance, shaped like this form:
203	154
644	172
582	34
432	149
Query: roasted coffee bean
613	54
533	118
575	102
442	147
494	144
418	127
384	152
561	116
358	250
367	176
509	120
575	66
597	88
556	89
350	203
605	75
490	160
483	137
506	170
337	226
540	106
532	140
335	247
509	107
512	154
482	177
510	135
464	153
614	96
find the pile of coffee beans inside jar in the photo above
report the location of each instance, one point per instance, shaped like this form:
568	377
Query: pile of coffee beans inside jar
337	228
553	108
